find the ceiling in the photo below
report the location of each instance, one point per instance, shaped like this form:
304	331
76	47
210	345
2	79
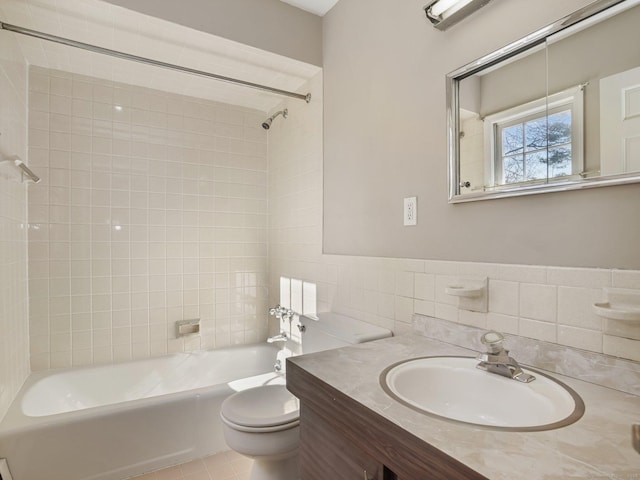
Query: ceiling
317	7
116	28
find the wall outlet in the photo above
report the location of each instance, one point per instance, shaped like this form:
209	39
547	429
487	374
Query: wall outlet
410	211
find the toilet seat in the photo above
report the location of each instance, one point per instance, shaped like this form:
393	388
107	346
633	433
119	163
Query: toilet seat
268	408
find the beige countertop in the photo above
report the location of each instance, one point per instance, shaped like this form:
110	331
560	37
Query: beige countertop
598	446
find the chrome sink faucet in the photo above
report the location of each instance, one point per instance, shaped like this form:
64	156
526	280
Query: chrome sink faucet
497	359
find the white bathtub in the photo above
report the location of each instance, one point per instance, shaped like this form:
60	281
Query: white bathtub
117	421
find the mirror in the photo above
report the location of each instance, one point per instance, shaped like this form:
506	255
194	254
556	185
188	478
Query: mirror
556	110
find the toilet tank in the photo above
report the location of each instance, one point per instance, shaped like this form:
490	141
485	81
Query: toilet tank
332	330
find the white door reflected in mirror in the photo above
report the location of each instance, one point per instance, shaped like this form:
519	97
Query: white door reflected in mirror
620	123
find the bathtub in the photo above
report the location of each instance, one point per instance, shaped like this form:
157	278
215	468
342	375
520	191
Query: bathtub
116	421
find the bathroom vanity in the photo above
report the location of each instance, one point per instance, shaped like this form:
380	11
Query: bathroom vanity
351	429
342	440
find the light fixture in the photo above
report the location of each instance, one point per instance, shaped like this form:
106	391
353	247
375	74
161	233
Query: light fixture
445	13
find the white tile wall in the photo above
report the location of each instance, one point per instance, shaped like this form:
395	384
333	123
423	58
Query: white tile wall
546	303
14	340
152	209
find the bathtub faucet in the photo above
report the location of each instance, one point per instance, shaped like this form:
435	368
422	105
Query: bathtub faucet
281	312
281	337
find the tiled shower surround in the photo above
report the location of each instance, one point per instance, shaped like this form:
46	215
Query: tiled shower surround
546	303
14	332
152	209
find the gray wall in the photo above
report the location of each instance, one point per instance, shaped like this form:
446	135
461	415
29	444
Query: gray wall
385	139
271	25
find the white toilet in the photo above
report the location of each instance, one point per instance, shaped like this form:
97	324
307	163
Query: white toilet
262	422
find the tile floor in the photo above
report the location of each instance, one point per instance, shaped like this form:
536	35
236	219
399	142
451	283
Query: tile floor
221	466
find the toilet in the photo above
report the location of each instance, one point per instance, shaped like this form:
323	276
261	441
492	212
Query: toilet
262	423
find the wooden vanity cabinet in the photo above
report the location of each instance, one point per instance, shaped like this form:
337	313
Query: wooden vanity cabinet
340	439
327	454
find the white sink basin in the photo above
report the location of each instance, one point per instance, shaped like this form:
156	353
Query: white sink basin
453	388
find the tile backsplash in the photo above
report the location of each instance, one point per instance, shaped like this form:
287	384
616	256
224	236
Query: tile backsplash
576	363
544	303
152	209
14	334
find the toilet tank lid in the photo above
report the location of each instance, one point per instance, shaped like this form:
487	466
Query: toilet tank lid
346	328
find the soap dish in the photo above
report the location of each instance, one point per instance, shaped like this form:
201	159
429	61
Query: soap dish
621	313
625	313
461	291
470	292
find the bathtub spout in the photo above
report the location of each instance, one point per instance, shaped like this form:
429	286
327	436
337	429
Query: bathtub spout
281	337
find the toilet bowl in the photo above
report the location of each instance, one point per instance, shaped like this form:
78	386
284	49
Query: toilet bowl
262	423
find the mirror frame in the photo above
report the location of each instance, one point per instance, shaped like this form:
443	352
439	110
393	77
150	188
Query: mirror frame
453	116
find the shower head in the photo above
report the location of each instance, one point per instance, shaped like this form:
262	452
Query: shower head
267	123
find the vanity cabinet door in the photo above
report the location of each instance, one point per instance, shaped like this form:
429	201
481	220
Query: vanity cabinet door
326	455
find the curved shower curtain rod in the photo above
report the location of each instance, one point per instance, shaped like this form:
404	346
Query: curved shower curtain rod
148	61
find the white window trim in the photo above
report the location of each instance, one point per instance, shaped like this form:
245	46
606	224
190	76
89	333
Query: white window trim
573	97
